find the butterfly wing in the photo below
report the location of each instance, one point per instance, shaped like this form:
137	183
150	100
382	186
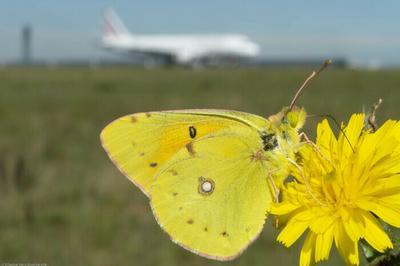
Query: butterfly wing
139	144
214	201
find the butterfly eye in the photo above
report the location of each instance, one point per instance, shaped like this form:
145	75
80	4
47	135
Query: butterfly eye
206	186
192	132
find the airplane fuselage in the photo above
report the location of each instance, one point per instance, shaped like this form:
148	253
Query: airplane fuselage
184	47
180	48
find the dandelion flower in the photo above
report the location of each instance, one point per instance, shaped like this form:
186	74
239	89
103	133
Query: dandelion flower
341	192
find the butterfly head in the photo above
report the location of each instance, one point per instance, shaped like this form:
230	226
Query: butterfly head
285	127
281	141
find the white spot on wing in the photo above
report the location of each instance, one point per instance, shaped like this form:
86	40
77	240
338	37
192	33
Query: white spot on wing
206	186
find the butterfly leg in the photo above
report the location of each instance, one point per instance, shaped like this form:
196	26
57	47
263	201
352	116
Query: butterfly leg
276	196
315	147
308	188
274	187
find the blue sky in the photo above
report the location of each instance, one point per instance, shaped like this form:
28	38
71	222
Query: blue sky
363	31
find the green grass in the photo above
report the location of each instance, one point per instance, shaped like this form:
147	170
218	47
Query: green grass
62	202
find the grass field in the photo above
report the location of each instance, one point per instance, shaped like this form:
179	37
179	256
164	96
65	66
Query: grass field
62	202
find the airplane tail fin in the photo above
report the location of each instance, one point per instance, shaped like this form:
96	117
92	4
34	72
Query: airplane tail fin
113	25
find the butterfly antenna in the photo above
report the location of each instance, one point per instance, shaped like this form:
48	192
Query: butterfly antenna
307	81
333	119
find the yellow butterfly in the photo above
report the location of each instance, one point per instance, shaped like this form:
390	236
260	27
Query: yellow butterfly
206	172
210	175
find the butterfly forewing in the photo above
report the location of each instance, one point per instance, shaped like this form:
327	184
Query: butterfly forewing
141	143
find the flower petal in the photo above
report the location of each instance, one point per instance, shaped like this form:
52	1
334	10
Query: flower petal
294	228
326	140
323	245
393	200
347	248
390	214
353	223
321	223
282	208
384	187
353	132
375	235
308	250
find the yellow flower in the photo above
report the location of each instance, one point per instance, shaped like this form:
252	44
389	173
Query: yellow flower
349	183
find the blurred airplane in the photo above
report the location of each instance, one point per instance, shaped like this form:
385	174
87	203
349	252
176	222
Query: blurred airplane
188	49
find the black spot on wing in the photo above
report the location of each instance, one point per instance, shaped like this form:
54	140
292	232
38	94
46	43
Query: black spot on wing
173	172
190	221
192	132
153	164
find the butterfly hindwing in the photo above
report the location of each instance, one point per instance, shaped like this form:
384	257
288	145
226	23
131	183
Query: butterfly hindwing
214	201
141	143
